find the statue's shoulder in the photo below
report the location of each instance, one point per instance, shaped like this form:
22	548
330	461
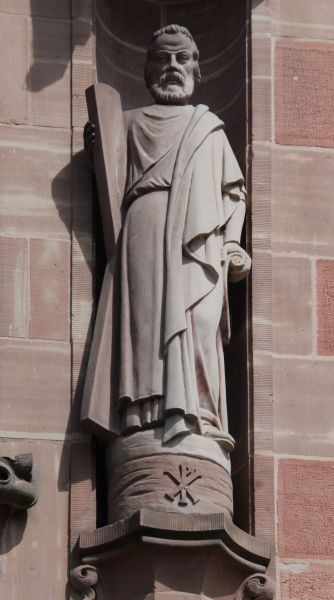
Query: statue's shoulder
208	119
133	112
213	117
129	116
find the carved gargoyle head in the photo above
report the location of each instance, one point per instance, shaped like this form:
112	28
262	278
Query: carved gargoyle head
16	485
172	68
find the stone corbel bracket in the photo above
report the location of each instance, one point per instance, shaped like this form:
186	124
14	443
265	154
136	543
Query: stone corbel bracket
83	580
17	489
256	587
165	547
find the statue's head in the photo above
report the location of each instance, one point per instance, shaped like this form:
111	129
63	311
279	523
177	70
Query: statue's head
172	68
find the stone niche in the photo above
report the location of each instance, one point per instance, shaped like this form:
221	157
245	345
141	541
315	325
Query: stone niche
173	528
123	30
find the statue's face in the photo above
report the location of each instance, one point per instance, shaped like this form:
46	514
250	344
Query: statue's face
170	70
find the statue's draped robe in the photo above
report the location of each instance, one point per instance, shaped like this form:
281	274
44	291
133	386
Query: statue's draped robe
183	185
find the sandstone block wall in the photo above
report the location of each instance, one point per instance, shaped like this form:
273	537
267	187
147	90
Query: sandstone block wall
45	258
293	53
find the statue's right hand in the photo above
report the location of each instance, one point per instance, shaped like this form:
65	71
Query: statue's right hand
89	139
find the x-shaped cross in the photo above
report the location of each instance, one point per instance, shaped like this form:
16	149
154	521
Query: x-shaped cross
183	482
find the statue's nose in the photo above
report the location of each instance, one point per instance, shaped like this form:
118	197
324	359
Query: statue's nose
173	62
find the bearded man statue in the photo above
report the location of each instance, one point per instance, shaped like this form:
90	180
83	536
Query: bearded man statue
183	210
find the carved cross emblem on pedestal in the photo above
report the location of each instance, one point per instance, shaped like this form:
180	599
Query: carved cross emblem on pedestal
183	481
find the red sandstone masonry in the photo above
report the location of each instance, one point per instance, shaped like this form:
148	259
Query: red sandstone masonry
35	375
261	96
301	209
303	406
261	194
307	582
262	9
304	93
262	300
56	95
14	288
35	182
82	39
261	56
260	175
82	78
305	11
82	278
48	78
292	305
13	68
303	18
261	88
49	290
302	201
325	306
306	509
35	386
50	41
264	494
82	507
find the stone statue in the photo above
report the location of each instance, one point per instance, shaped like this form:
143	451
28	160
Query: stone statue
156	371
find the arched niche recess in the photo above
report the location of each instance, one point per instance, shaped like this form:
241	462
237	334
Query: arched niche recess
123	30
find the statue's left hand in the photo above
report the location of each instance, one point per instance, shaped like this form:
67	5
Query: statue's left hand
89	140
238	261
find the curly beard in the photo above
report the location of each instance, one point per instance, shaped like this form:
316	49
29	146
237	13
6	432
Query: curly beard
163	96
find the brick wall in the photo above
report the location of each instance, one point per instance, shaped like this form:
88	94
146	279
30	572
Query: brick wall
45	255
295	58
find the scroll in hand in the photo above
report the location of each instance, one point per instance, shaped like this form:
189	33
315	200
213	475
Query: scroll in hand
238	261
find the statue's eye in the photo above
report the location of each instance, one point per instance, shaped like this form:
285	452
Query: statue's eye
183	58
161	59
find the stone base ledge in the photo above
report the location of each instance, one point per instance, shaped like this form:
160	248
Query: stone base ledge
158	556
172	527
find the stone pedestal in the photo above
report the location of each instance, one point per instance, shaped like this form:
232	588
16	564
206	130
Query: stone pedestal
190	475
170	534
172	557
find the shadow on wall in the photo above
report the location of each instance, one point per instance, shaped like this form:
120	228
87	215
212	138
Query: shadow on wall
50	58
74	183
255	3
12	525
50	43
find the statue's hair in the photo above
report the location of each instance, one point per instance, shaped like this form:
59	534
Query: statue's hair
170	29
